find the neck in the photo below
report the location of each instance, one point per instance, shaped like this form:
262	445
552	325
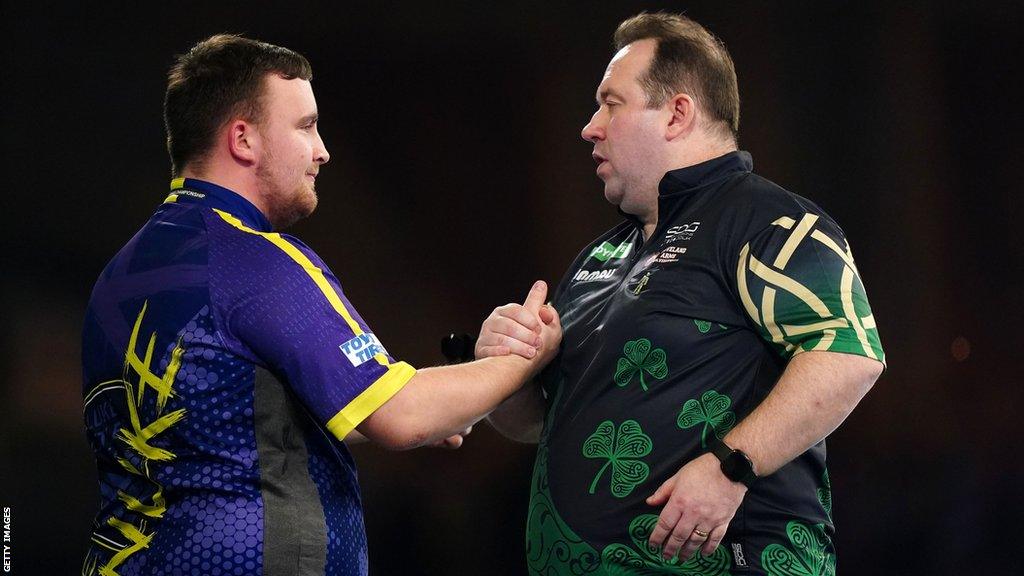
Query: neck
233	177
691	156
684	158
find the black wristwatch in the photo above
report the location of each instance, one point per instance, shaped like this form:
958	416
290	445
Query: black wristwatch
735	464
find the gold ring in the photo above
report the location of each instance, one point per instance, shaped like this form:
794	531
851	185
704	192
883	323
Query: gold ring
700	533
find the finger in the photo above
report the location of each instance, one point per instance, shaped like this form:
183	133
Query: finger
538	293
714	539
520	314
666	522
453	442
556	321
676	539
488	351
516	347
545	314
693	542
516	331
661	495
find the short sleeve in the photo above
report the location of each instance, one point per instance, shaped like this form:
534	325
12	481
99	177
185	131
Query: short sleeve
798	283
280	302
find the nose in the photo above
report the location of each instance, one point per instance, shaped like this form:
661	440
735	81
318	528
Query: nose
594	130
320	153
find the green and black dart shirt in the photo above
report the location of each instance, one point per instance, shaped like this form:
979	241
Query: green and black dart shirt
670	342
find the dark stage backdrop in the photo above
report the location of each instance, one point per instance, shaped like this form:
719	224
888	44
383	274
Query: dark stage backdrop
458	177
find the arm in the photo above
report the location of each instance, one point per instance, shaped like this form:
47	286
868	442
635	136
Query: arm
817	391
815	394
452	442
521	417
439	402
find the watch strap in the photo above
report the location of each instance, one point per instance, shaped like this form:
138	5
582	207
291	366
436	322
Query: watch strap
724	453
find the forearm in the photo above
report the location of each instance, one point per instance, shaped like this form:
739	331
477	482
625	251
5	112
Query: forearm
442	401
521	417
817	391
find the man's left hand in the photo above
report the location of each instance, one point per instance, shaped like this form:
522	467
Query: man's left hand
699	504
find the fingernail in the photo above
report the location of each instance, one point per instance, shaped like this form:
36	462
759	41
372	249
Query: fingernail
532	353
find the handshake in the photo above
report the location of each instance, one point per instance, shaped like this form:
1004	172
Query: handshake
531	331
522	329
437	406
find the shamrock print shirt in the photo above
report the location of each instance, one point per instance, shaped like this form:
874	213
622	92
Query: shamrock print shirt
671	342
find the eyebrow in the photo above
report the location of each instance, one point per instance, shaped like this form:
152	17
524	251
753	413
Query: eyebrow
604	94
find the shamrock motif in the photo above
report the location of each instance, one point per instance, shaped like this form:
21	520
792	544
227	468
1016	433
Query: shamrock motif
621	560
712	410
622	451
825	494
640	358
808	556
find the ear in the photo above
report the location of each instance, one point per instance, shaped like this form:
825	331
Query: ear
683	116
243	141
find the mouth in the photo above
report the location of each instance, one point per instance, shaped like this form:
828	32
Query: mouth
598	158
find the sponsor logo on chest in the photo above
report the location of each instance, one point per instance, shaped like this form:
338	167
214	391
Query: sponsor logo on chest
682	232
362	348
589	276
671	251
607	251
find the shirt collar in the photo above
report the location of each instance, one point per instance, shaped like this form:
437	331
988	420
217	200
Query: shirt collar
195	191
684	180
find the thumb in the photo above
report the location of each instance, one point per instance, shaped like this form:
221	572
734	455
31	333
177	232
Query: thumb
538	293
661	495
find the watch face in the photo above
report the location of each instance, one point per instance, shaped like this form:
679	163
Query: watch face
736	466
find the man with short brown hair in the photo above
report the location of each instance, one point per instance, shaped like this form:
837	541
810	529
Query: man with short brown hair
712	340
223	365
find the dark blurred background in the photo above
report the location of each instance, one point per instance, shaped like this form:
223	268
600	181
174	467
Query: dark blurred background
458	177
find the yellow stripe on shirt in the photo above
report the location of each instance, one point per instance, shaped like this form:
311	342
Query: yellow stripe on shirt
383	388
397	376
311	269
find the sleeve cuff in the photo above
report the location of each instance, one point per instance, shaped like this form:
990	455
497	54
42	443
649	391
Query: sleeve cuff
374	397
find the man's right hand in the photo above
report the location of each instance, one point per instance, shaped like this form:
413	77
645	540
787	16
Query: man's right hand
526	329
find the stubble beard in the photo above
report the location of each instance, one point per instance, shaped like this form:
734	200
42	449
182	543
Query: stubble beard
286	208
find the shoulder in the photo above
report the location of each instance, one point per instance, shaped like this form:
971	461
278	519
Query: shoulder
754	203
238	247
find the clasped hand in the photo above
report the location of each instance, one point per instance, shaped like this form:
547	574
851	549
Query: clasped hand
528	329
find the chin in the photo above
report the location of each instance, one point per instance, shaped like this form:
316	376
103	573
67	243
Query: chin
613	195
